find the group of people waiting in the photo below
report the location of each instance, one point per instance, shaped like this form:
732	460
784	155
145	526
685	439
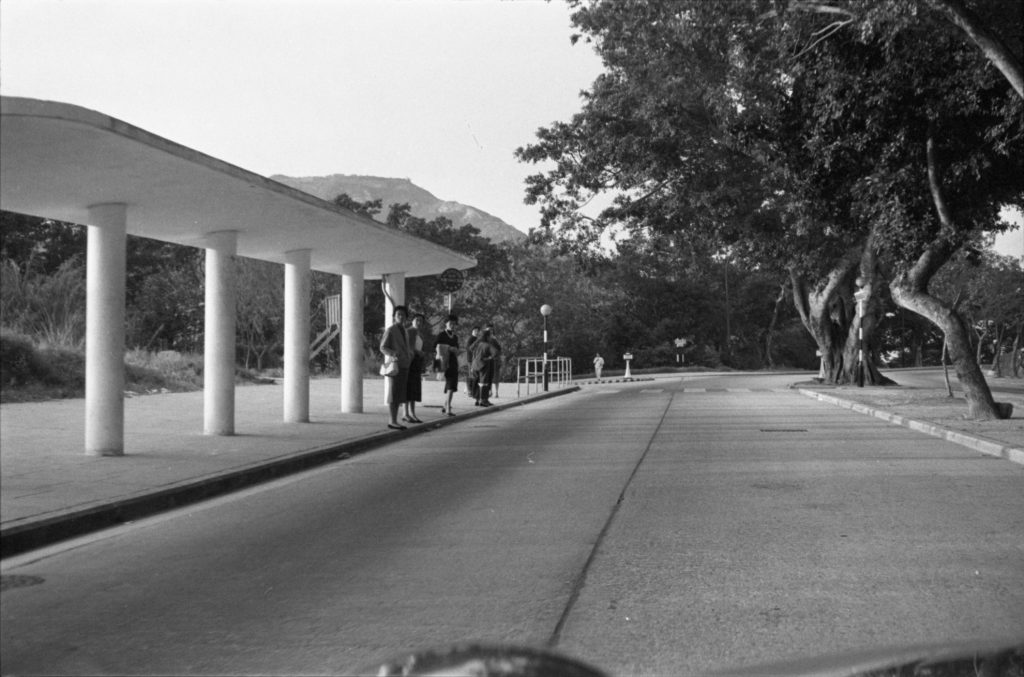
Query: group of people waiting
405	346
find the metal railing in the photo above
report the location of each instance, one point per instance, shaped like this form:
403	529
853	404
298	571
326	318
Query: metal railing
538	374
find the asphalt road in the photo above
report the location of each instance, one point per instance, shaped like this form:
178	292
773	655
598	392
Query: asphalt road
674	526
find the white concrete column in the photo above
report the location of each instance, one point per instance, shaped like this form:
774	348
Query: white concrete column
104	330
219	342
352	275
296	336
394	295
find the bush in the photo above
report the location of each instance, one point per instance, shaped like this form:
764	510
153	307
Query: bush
19	363
50	309
167	369
31	372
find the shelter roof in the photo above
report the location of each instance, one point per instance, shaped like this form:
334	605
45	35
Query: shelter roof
57	159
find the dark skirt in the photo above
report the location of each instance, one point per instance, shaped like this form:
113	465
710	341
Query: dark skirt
451	380
397	387
414	387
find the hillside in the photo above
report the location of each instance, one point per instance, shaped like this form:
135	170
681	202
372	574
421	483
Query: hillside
400	191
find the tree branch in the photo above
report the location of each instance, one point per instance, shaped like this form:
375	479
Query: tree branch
1008	63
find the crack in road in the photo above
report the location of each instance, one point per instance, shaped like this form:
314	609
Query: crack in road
581	578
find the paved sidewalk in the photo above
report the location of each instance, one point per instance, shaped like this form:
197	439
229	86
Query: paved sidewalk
52	490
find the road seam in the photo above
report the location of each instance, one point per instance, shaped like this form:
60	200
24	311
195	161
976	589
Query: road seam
581	578
979	444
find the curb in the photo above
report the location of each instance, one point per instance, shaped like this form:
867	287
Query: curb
28	536
620	379
979	444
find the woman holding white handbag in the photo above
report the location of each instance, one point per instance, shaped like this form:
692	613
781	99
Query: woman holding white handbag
397	358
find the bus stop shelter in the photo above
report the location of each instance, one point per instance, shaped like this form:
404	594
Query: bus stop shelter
64	162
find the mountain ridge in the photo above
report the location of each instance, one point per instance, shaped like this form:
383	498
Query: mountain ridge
422	202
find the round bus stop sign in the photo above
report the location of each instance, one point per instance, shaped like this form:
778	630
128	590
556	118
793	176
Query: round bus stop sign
451	280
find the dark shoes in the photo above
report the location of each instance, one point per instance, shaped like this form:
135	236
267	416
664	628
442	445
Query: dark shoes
395	426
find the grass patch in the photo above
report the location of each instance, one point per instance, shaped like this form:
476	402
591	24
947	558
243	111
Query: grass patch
34	373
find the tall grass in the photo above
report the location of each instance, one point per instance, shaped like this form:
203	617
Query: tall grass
49	309
165	370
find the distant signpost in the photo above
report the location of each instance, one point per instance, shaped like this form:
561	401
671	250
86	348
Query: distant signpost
451	281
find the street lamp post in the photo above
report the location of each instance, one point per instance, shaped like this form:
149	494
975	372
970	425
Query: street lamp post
545	310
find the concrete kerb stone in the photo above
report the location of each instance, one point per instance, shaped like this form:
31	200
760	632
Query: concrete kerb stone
979	444
604	381
39	533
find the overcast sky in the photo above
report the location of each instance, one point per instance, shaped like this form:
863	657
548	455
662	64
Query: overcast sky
437	91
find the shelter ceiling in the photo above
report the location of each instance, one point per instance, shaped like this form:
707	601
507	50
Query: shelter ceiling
57	159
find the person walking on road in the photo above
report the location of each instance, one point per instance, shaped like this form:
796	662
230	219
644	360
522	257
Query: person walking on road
395	346
447	351
414	387
598	365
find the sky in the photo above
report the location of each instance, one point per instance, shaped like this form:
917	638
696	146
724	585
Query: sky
440	92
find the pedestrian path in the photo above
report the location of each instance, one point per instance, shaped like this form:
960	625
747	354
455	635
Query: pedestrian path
52	490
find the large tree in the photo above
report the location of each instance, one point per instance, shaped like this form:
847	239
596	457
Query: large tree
689	129
834	127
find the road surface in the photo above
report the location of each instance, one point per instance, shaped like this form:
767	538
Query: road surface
674	526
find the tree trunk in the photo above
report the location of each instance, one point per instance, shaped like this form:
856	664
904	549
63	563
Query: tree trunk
980	404
994	49
910	290
1017	355
945	367
770	334
980	343
829	314
997	352
861	344
823	315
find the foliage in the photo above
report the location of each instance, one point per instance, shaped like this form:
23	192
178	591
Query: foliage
790	136
48	307
19	362
166	312
39	245
259	309
29	371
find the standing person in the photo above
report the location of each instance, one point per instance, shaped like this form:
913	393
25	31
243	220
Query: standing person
496	368
395	345
472	387
447	350
598	365
414	387
482	366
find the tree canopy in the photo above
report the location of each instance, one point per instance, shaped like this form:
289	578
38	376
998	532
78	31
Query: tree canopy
847	142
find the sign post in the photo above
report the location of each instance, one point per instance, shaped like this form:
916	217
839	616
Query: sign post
680	345
451	281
